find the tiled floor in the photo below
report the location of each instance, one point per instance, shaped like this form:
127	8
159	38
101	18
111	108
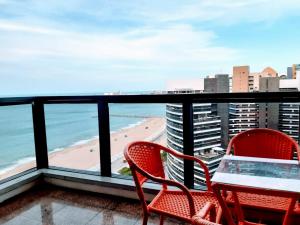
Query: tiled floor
49	206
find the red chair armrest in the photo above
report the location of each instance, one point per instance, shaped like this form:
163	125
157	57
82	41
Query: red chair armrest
206	210
200	221
188	157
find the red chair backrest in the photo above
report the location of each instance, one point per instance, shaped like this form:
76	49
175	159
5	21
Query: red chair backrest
145	156
264	143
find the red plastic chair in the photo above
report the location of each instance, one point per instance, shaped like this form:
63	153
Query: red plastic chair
145	162
264	143
238	211
197	220
239	214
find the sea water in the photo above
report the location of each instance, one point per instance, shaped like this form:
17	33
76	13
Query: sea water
66	125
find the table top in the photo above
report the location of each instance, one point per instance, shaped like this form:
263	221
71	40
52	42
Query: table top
273	174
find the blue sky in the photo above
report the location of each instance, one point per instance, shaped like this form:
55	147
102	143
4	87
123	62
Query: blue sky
55	46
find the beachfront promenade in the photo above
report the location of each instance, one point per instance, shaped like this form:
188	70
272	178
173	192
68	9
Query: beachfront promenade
85	156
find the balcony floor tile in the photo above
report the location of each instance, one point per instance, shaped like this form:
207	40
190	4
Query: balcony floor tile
56	206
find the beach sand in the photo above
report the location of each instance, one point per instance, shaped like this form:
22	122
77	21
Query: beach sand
86	156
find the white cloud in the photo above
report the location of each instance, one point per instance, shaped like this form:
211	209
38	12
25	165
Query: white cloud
226	11
12	26
180	44
124	41
150	12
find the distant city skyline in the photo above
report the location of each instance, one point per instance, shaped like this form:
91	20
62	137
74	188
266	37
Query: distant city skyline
57	47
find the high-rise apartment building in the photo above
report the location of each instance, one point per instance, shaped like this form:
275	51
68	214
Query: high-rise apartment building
269	72
216	123
295	69
242	117
220	84
254	81
208	135
268	111
289	72
245	116
207	139
288	121
240	76
282	116
254	78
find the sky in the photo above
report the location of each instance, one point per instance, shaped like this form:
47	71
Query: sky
82	46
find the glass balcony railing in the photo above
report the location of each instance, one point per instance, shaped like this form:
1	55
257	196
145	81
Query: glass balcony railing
72	136
17	150
87	134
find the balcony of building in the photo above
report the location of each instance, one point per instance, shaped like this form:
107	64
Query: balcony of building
51	194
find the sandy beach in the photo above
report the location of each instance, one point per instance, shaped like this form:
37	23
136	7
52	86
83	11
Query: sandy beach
86	156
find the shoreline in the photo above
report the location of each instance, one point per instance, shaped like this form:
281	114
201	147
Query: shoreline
86	156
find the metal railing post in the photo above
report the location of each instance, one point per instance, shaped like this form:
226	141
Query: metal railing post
40	137
188	143
104	138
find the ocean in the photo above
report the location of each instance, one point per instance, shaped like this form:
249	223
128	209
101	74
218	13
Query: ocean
66	125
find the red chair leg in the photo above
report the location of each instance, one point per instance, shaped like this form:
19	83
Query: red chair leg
161	222
213	214
145	219
288	213
219	216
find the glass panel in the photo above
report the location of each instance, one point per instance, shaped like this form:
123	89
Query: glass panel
282	116
210	137
289	119
134	122
17	150
216	124
245	116
174	129
261	168
72	136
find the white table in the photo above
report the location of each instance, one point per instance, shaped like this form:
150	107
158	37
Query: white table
273	174
259	175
